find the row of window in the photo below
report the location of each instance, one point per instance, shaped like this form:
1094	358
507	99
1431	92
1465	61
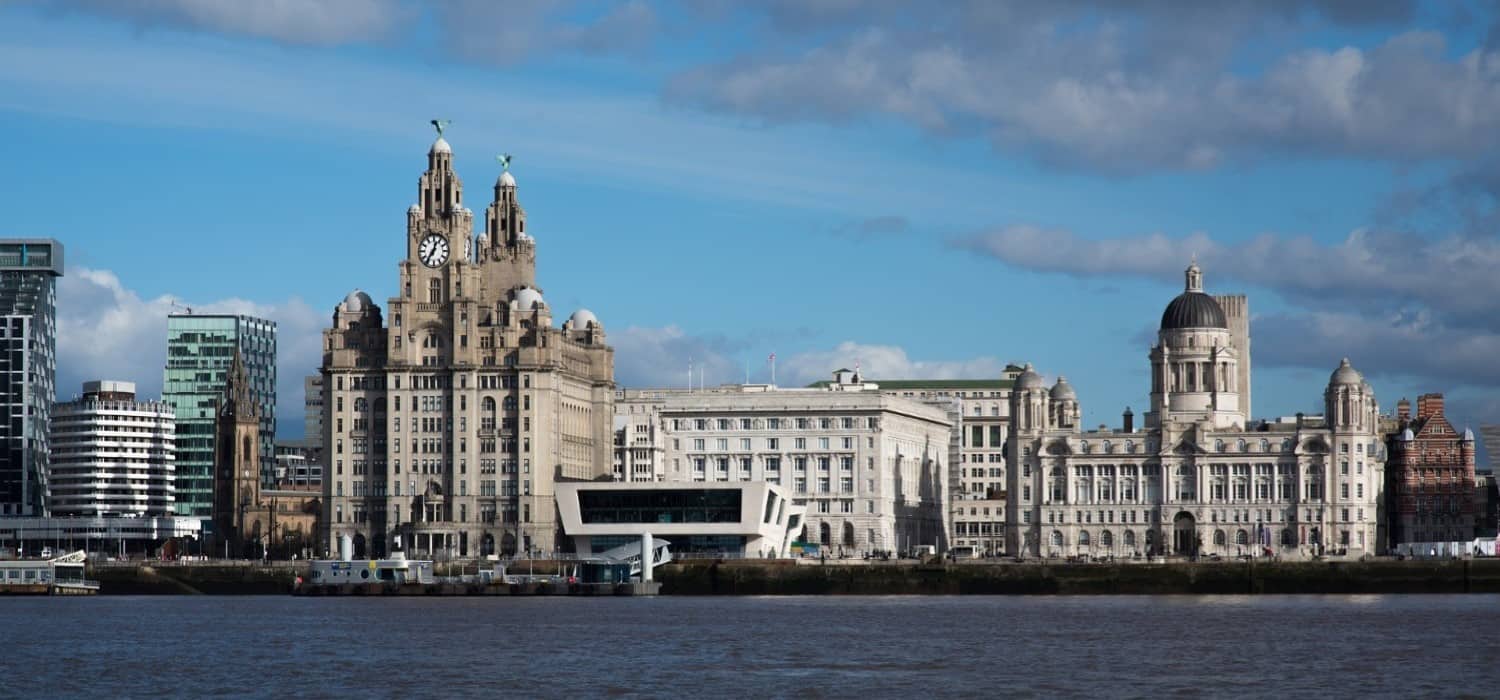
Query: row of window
825	423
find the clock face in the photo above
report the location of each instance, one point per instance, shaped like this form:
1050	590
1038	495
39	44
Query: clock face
433	251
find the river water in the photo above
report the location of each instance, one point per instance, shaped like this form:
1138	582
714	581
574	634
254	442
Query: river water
910	646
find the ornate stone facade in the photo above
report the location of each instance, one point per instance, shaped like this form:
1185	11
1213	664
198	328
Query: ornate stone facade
1201	477
448	428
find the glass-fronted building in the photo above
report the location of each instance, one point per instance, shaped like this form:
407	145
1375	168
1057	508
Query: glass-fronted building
739	519
200	348
29	269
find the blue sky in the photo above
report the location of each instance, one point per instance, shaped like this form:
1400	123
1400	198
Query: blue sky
926	190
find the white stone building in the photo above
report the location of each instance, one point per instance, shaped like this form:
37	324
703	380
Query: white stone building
980	412
871	468
1200	477
112	455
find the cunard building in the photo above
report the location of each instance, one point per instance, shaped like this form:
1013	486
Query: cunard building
449	419
1199	477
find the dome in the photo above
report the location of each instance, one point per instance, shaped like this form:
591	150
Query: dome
526	298
1063	390
1468	435
1346	374
440	146
414	209
506	179
1407	436
1029	379
582	318
1193	310
357	301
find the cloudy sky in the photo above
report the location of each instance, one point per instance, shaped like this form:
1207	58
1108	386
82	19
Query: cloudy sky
927	189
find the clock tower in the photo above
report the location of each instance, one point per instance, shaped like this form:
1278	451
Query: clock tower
448	426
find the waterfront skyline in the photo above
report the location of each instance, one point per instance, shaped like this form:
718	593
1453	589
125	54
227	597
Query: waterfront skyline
765	188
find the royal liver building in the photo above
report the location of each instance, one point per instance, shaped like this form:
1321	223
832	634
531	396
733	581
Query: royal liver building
448	423
1200	477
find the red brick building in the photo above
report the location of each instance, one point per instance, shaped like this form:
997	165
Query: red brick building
1429	476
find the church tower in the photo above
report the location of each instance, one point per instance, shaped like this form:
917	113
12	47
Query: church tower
237	463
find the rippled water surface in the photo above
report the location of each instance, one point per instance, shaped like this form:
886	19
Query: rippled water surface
1274	646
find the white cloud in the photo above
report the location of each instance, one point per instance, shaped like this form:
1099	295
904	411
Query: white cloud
1453	276
659	357
107	331
317	22
880	362
1121	87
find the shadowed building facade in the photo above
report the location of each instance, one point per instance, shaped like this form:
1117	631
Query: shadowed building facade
1431	475
29	269
448	423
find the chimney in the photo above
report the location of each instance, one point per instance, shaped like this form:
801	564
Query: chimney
1129	420
1429	405
1403	411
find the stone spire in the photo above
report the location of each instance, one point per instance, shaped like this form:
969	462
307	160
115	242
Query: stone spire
238	401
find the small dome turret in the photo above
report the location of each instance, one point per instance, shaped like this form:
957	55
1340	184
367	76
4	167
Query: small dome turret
582	318
1063	390
440	146
1346	374
1406	435
1029	379
505	180
528	298
358	301
1468	435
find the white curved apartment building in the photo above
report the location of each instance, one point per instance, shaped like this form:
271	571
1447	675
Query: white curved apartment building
111	454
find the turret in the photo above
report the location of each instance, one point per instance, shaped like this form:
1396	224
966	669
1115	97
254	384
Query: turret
507	252
1028	402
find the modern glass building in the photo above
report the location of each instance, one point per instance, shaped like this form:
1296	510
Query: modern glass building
200	348
29	269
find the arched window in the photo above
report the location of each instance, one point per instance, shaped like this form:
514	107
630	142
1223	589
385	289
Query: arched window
1083	538
848	534
825	534
1219	537
1106	539
1242	537
1240	446
1057	538
1265	445
1130	538
487	415
1218	445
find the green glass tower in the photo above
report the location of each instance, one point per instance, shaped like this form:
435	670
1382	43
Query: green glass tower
200	348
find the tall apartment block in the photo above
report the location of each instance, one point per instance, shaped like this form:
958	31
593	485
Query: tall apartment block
200	348
112	455
29	269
